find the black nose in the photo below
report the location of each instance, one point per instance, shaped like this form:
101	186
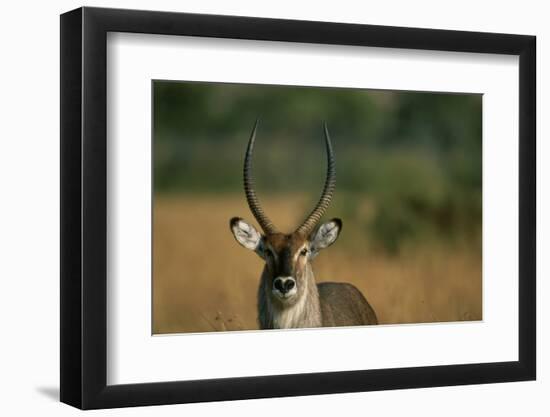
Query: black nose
279	285
284	285
288	285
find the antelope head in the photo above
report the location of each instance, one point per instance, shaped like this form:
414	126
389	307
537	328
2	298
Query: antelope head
287	256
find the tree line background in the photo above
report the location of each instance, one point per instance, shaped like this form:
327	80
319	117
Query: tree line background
416	156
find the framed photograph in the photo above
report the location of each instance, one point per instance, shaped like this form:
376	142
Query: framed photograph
260	208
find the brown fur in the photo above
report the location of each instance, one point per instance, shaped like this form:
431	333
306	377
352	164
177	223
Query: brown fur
342	304
303	303
284	248
327	304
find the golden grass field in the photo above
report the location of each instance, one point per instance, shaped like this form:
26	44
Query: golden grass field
203	280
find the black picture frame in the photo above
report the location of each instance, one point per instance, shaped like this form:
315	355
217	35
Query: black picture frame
84	207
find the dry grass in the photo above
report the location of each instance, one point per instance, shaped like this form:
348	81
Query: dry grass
204	281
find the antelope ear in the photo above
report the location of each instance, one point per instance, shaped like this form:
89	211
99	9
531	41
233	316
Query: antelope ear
245	234
325	236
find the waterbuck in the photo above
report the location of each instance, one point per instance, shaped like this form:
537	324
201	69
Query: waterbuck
288	296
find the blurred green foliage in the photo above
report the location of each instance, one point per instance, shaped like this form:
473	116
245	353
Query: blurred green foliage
415	156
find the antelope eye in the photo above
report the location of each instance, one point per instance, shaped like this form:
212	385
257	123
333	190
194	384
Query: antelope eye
303	252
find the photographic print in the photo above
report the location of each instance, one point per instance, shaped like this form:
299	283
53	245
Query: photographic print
282	207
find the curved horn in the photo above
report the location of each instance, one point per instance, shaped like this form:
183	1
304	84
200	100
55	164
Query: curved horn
253	202
330	184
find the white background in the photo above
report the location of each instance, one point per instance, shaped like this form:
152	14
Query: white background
134	356
29	225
